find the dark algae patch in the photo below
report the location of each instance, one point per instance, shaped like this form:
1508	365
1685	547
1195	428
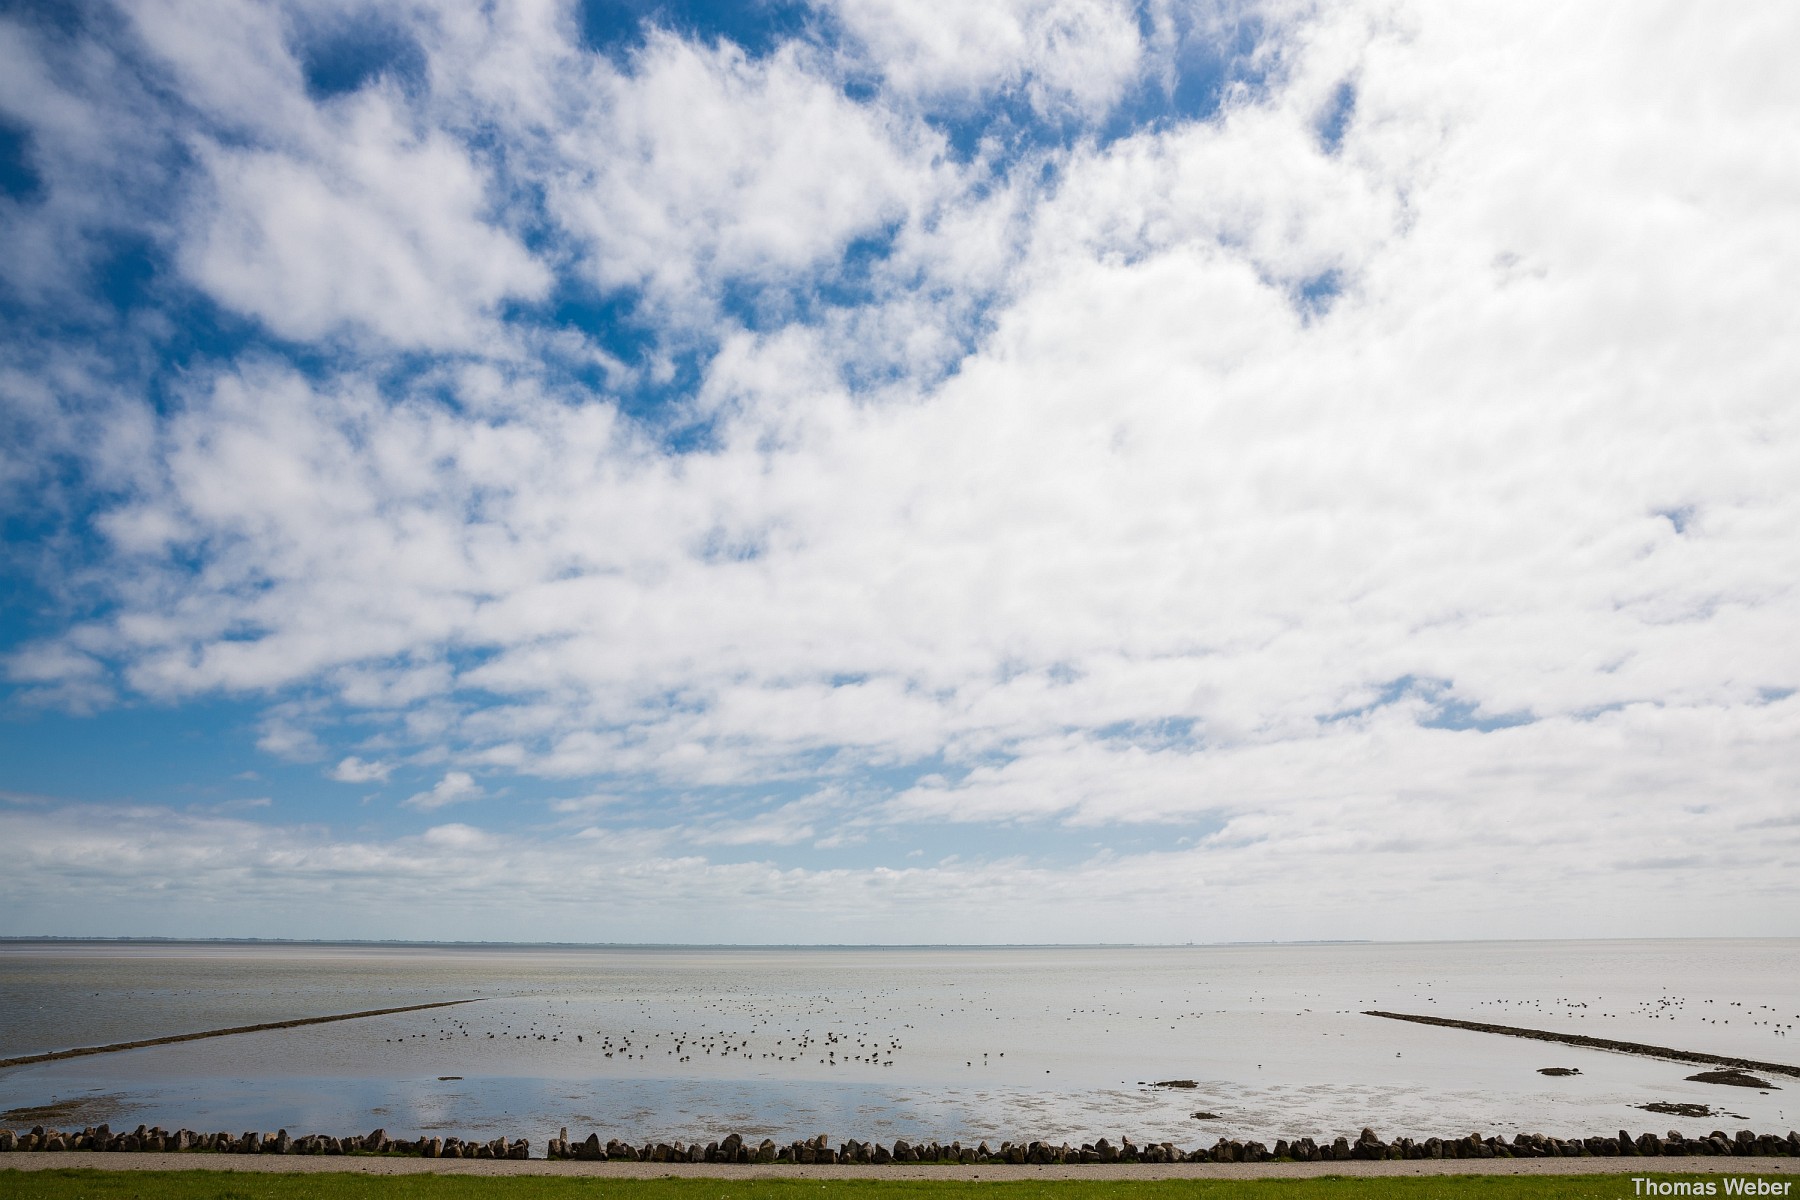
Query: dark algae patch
1733	1078
77	1110
1671	1109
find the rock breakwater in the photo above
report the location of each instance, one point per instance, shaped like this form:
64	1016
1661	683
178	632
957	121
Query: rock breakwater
1367	1146
734	1148
151	1138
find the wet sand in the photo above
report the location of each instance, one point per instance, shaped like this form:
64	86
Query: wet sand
322	1164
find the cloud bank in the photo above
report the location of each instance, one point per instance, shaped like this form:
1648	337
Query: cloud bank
1069	471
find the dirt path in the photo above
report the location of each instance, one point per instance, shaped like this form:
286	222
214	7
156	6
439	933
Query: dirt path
309	1164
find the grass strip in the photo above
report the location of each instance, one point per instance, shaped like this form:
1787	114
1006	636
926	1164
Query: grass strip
204	1185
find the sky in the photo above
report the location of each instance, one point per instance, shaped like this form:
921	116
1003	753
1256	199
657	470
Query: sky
882	471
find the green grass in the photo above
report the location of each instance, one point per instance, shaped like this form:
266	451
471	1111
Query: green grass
221	1185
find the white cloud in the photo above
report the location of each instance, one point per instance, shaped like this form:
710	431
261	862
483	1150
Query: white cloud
694	166
344	216
355	770
97	148
283	738
369	226
1064	54
454	788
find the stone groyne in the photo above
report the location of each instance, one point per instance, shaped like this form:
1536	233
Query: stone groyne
1595	1043
734	1148
171	1039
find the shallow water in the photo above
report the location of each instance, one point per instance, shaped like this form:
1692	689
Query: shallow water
917	1043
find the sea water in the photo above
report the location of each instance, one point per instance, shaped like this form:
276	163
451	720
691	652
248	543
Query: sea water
1061	1043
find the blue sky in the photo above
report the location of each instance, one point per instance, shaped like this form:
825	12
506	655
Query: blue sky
1050	470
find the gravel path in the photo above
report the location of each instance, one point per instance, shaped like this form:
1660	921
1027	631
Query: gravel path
308	1164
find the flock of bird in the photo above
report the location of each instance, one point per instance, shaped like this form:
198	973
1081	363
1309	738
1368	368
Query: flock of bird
764	1040
1661	1008
747	1029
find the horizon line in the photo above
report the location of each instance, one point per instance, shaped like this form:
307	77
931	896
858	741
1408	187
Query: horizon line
128	939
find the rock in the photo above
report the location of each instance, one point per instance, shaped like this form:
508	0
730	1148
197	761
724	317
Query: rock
1206	1116
1176	1083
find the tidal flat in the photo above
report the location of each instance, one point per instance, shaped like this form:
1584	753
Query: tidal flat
1057	1043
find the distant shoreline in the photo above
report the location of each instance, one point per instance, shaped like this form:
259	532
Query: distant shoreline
47	939
51	939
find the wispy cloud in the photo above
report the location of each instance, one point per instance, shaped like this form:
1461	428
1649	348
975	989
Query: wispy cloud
355	770
454	788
